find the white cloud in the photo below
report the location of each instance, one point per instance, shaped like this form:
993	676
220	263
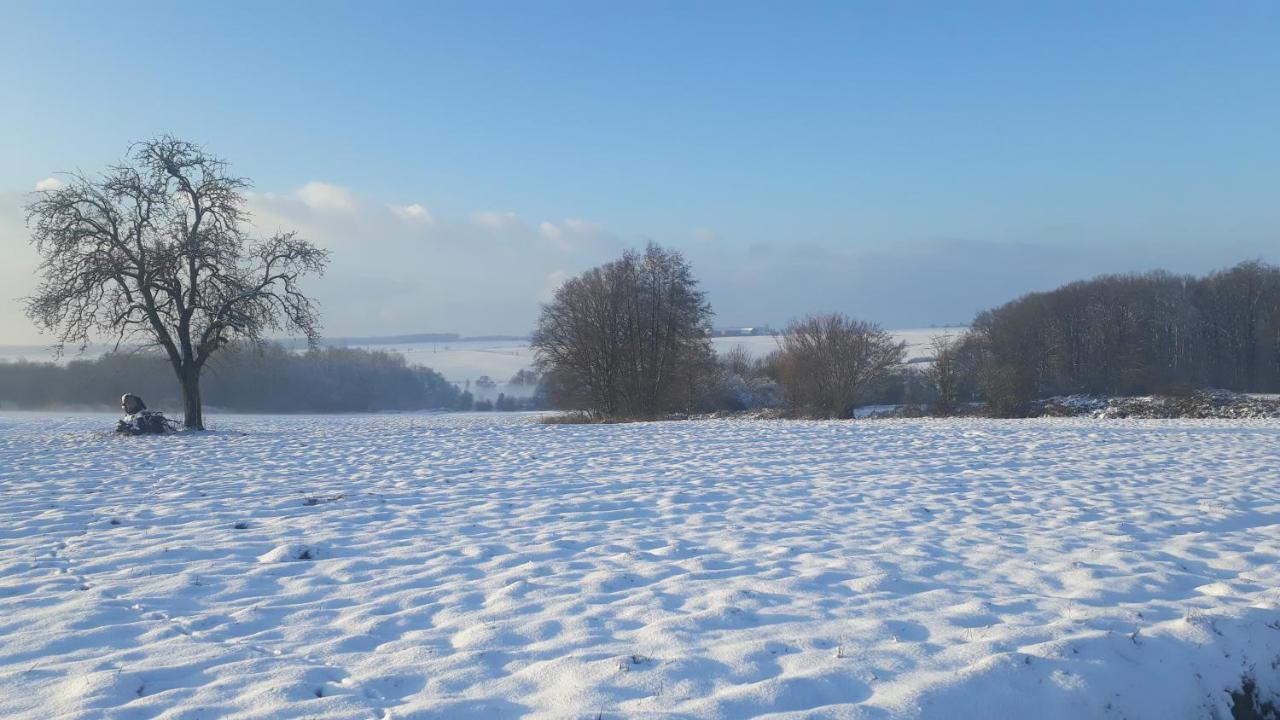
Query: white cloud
495	220
50	183
399	267
578	225
414	213
325	197
572	233
550	230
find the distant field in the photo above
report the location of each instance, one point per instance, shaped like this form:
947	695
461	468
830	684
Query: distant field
464	360
488	566
468	360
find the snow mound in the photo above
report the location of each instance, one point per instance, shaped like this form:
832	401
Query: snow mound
1206	405
292	553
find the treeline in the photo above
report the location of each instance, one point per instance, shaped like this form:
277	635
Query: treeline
1154	333
630	339
1116	335
266	378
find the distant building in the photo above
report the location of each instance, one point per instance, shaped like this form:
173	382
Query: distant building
749	331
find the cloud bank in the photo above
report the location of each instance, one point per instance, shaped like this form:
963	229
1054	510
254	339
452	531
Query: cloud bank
398	267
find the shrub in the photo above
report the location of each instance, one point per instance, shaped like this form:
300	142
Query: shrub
829	362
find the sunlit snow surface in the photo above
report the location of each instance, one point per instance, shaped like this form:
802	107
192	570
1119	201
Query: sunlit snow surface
488	566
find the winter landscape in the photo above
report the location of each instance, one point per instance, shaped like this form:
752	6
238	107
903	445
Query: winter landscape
572	360
490	566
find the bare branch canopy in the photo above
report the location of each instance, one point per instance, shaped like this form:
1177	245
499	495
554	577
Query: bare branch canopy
155	251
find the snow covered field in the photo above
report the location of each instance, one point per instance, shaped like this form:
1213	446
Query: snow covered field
488	566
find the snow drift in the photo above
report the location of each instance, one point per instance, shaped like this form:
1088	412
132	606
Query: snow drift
492	566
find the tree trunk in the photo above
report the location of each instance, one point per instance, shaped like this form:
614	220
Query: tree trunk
193	417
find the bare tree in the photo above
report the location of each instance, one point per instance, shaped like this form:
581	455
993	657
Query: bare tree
739	361
155	251
626	339
944	373
828	362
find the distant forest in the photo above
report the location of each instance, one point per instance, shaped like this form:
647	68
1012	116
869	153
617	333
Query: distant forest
1154	333
1115	335
1137	334
267	378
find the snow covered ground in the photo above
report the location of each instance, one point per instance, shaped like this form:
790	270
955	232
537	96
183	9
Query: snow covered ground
488	566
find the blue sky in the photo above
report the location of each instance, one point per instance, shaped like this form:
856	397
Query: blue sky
909	163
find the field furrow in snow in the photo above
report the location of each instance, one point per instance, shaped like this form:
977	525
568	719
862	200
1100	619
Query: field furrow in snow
438	566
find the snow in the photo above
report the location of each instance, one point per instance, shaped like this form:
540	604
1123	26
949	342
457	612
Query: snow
1217	404
489	566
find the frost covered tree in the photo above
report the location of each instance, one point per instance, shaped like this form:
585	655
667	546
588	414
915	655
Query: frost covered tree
155	250
630	338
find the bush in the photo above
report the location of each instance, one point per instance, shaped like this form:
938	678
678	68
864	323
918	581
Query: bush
829	363
738	382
